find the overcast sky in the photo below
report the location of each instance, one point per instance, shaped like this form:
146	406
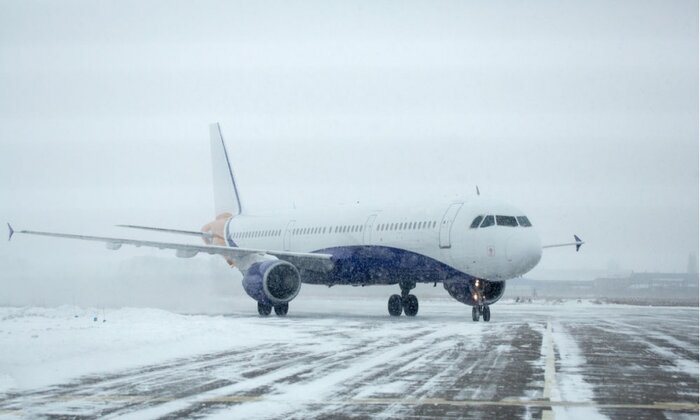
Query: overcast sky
584	114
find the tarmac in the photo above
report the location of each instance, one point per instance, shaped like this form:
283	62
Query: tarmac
532	361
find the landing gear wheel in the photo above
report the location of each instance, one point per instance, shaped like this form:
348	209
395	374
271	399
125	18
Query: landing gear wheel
475	313
281	310
486	313
395	306
410	305
264	310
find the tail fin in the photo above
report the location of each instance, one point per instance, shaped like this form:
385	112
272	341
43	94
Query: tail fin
226	197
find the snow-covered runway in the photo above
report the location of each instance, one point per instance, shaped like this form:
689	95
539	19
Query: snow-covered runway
346	358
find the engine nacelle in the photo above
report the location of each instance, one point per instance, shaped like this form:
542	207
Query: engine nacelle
491	291
272	282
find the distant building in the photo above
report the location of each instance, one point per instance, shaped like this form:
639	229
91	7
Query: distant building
667	288
650	285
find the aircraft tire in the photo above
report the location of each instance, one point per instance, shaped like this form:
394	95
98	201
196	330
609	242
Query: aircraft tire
475	314
395	305
487	314
264	310
410	305
281	310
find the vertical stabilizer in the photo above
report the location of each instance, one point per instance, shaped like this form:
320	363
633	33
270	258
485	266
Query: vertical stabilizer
226	196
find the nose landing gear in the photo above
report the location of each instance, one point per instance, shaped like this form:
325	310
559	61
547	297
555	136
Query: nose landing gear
479	311
407	302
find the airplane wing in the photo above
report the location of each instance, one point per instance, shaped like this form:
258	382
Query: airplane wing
205	235
577	242
241	257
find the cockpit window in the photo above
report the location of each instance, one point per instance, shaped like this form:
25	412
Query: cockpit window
488	221
475	223
523	220
506	221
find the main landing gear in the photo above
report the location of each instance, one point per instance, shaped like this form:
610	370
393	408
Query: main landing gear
481	310
407	302
280	310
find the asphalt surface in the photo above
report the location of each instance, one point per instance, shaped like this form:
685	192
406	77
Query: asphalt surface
530	361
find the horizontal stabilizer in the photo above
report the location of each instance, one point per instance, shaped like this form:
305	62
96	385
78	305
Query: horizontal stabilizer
578	242
11	232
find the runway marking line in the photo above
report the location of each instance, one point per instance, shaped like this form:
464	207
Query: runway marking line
550	370
671	406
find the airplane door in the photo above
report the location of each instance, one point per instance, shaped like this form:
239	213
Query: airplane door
446	224
367	231
288	235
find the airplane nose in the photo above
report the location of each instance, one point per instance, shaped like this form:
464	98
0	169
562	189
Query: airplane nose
524	251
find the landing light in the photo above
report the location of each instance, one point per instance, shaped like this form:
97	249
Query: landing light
477	282
476	297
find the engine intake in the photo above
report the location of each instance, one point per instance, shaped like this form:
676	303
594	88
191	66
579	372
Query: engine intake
272	282
463	291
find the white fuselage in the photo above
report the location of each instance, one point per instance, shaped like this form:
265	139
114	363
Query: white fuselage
438	232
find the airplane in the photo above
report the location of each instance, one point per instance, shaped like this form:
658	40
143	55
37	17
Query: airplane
471	246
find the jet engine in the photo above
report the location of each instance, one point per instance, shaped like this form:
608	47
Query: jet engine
476	291
272	282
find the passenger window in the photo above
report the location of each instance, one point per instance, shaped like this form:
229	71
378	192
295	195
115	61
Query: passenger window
524	221
488	221
475	223
506	221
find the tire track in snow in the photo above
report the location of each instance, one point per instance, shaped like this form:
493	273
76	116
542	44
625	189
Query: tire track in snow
287	374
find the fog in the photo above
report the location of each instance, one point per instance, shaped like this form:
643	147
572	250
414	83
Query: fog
583	114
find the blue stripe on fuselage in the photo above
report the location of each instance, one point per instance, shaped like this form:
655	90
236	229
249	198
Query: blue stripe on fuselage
367	265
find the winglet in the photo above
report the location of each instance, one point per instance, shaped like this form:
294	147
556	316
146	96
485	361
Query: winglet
579	242
11	232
